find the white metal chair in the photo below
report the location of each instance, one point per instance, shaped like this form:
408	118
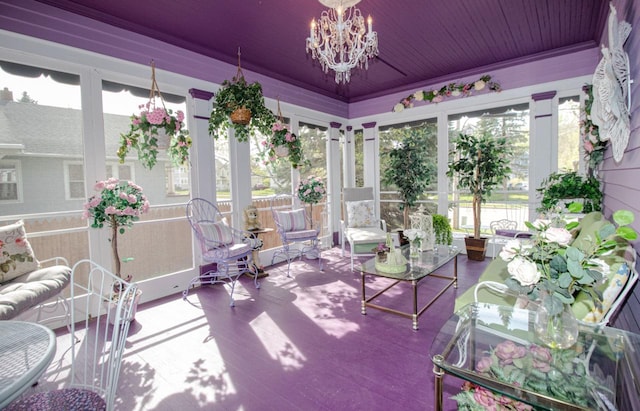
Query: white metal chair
101	311
228	249
360	226
295	229
504	230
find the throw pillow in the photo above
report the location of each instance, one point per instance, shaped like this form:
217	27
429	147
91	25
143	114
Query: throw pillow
361	214
16	255
292	220
218	232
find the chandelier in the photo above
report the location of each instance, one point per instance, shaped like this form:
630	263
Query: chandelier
339	39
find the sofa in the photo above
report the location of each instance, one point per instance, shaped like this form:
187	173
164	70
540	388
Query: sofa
615	287
25	282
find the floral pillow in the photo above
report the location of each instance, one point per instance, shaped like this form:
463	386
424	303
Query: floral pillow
361	214
292	220
218	232
16	255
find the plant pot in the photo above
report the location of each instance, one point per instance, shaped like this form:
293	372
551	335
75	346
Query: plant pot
476	248
113	305
241	115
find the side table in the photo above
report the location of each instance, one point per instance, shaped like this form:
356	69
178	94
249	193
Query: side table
259	268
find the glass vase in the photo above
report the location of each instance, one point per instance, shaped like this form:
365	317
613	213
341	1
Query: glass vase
414	249
556	330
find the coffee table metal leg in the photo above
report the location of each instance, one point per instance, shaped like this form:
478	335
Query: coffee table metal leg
439	374
455	272
363	306
414	283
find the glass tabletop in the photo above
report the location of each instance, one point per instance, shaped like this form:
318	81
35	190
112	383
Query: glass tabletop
495	347
417	267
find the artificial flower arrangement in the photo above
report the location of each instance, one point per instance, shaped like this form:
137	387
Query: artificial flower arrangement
311	190
556	373
148	128
448	90
283	143
594	147
551	265
413	234
118	203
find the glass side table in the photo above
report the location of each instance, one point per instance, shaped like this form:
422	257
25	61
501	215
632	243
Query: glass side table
495	347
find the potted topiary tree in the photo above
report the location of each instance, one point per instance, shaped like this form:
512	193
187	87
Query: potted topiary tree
411	170
480	164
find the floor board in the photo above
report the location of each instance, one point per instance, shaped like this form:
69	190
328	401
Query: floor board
297	343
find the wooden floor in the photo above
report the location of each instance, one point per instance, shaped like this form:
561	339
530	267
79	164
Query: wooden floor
297	343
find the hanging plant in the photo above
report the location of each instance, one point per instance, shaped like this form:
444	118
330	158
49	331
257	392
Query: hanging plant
283	144
240	105
156	128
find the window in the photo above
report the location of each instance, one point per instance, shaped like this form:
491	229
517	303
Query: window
74	177
511	200
421	136
10	188
42	132
569	133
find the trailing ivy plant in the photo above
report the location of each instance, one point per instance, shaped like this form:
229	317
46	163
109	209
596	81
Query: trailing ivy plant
570	185
442	229
234	94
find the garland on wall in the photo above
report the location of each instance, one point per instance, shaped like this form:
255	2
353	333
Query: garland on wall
594	146
448	90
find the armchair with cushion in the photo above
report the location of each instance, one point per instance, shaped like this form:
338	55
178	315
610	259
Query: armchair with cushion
226	249
296	230
26	283
361	228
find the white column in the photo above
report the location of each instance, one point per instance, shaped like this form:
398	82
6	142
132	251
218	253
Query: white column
543	145
333	179
371	161
349	158
240	165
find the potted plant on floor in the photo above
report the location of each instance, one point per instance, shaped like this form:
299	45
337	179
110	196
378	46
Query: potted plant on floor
117	204
411	170
479	164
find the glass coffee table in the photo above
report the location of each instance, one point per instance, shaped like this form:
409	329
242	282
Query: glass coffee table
494	347
417	270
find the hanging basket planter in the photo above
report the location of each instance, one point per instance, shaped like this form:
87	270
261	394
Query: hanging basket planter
283	144
241	115
156	128
240	106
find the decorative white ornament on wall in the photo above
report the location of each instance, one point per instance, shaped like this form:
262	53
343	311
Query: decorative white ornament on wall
611	88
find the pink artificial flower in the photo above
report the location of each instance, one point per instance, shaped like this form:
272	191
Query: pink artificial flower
264	143
94	201
99	185
135	121
507	351
484	364
85	215
129	211
132	199
123	195
180	116
588	146
485	398
541	358
437	99
110	210
289	137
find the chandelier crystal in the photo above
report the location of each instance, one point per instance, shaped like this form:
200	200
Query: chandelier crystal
339	39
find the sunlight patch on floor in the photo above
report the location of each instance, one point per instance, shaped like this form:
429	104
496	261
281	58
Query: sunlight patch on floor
325	305
277	344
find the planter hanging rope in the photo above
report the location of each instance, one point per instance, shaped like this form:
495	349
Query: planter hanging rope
240	115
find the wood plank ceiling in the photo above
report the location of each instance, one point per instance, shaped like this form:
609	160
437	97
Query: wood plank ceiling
419	40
